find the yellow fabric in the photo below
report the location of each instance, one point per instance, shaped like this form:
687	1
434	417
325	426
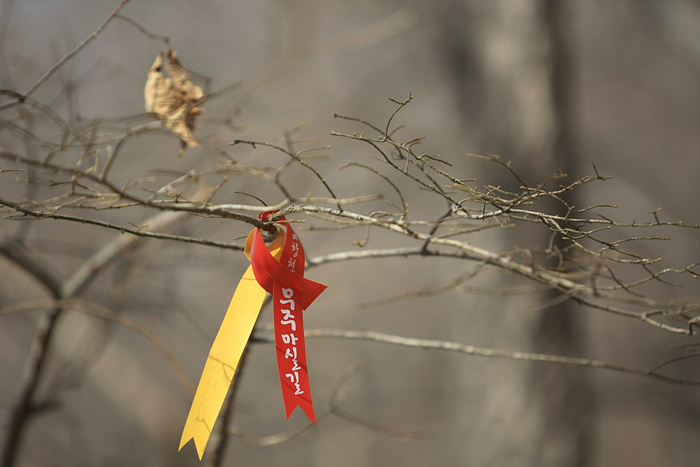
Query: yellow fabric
225	353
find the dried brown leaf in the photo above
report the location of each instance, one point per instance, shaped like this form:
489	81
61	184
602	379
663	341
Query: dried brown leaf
173	100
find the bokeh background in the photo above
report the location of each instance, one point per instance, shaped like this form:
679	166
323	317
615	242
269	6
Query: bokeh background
546	84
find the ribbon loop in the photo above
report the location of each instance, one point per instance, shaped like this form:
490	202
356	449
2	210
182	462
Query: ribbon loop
287	272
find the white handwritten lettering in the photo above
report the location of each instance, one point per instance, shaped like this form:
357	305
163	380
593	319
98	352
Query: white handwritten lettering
290	338
289	302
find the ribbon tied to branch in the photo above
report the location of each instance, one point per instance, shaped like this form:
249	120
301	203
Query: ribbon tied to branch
279	270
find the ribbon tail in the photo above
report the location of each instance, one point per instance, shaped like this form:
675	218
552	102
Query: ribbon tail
223	358
306	406
291	352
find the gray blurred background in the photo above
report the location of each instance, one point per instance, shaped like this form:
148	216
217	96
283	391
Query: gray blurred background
544	84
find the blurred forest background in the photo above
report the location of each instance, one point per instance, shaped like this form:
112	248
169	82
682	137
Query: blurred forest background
545	84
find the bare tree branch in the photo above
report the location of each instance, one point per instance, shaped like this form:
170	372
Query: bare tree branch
121	228
89	309
480	352
46	327
22	97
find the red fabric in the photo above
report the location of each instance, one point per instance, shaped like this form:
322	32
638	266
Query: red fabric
291	294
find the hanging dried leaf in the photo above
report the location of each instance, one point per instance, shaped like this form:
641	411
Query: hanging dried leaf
174	99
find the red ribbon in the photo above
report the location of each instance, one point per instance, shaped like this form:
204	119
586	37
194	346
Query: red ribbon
291	295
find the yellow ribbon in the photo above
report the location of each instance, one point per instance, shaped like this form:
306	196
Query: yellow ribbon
225	353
